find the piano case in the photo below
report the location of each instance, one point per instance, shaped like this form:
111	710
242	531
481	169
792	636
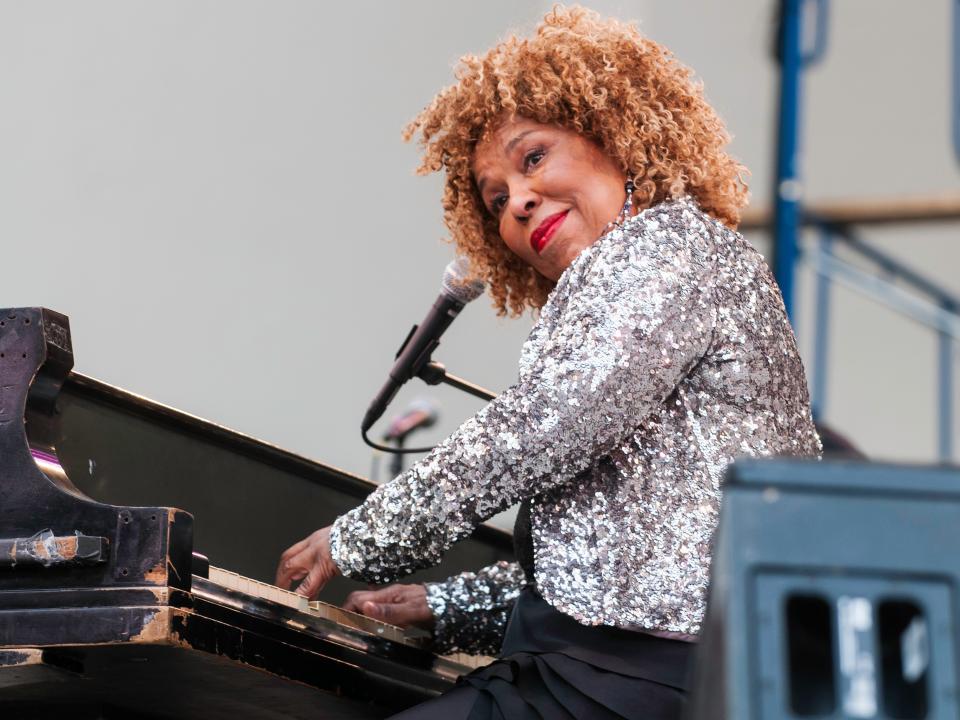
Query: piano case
106	612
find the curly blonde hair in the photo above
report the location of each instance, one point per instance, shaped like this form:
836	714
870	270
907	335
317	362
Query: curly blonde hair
602	79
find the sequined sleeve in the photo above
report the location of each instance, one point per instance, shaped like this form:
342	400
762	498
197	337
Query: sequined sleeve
638	317
471	610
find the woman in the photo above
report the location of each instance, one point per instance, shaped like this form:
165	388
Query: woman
585	177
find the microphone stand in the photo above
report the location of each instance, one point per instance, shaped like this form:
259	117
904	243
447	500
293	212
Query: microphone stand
396	462
434	373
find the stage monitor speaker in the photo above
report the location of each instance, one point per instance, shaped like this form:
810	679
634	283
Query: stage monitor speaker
833	594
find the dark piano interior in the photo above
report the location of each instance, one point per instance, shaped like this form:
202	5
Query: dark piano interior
250	501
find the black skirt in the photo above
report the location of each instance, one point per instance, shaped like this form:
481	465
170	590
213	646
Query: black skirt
551	666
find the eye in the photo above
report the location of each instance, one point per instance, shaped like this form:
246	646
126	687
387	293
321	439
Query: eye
498	203
533	157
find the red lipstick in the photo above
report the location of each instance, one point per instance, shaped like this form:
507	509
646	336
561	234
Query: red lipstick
545	230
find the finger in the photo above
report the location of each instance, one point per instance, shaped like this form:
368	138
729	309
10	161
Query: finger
284	575
380	611
355	600
280	579
390	594
290	578
399	614
314	582
306	588
291	569
283	569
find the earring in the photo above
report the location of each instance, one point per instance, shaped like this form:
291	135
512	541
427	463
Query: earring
626	211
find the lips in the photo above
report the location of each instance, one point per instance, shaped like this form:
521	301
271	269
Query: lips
541	236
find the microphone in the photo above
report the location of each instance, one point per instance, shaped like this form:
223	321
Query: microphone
421	413
455	292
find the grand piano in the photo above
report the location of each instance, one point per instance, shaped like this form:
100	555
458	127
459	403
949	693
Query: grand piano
115	603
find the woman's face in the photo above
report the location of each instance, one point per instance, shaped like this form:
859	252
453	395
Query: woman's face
552	191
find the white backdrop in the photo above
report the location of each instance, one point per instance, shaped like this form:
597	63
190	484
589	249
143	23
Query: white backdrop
216	193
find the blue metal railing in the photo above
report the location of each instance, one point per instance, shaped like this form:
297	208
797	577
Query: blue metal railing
899	288
930	305
793	57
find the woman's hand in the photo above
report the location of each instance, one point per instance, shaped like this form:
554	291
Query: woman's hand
310	561
400	605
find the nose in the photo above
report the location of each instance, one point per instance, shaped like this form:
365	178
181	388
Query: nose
523	202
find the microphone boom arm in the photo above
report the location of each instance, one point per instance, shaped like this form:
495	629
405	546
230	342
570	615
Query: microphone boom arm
434	373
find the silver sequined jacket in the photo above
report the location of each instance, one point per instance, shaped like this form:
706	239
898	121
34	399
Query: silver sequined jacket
662	353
